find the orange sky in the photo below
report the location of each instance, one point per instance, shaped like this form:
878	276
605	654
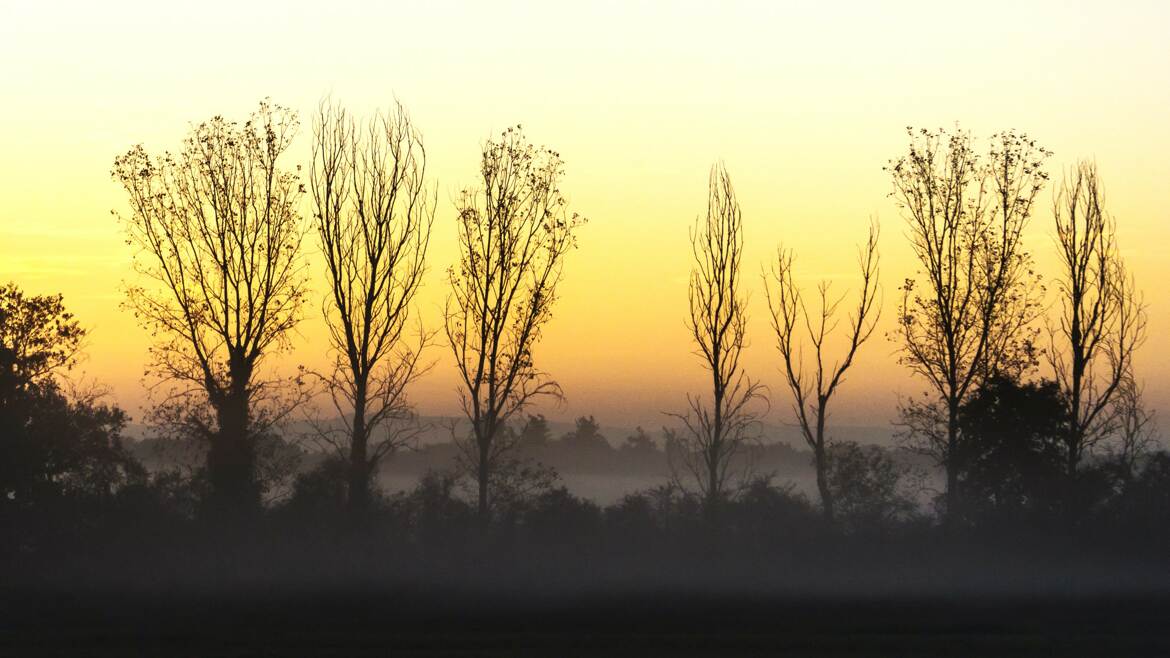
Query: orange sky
804	105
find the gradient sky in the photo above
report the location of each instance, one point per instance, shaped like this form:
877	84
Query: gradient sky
805	102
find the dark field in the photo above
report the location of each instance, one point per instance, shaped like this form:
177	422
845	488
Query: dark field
666	622
276	595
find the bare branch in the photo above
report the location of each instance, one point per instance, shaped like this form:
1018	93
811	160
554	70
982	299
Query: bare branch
969	312
217	243
514	232
716	434
1102	318
812	389
374	212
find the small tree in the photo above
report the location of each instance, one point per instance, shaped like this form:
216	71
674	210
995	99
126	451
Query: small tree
968	313
872	488
714	436
374	212
534	434
514	234
217	236
812	389
1135	428
639	443
586	435
1102	317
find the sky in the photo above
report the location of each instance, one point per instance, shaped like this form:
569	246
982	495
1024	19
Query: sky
803	102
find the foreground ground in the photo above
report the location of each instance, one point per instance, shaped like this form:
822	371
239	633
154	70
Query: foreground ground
433	622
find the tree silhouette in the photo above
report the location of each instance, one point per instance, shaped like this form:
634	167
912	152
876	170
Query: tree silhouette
871	489
586	436
968	313
373	216
640	443
38	337
217	236
1134	427
1102	317
1011	434
514	232
534	434
812	389
715	435
56	438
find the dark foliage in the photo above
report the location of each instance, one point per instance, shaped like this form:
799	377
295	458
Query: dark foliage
872	490
1010	453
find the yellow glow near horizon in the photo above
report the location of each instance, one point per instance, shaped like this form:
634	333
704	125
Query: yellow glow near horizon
804	105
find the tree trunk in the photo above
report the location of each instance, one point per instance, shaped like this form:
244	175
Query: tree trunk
482	474
359	465
713	481
1074	455
715	459
231	459
952	464
821	459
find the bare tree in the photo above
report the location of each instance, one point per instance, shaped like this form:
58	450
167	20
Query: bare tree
374	213
1102	320
969	312
217	237
514	233
715	435
1134	426
813	388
